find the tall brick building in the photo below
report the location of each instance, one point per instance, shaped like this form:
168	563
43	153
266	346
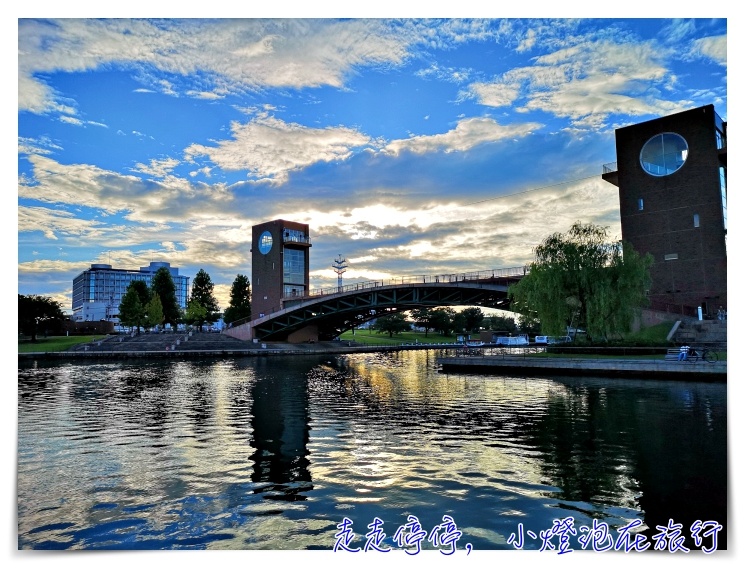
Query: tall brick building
671	173
279	264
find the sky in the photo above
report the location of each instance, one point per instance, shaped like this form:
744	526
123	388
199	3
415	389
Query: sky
410	146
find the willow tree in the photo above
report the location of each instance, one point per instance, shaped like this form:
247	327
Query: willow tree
582	279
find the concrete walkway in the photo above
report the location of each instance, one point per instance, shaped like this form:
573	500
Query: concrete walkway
623	367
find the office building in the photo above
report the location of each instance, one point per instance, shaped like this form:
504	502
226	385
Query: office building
671	173
98	291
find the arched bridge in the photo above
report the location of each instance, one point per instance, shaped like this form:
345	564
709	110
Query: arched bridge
326	313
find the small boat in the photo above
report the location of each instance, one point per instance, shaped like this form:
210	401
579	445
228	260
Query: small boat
552	339
519	340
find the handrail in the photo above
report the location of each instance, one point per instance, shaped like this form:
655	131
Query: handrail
419	279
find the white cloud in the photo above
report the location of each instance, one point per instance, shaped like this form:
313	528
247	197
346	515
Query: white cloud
53	222
586	82
164	201
714	48
528	41
235	54
269	148
495	94
42	145
71	120
157	168
467	134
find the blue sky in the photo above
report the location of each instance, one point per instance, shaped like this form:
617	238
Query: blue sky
410	146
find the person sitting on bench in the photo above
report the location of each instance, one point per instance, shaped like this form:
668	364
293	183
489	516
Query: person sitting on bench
683	353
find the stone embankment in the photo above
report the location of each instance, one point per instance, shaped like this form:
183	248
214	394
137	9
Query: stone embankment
197	344
453	358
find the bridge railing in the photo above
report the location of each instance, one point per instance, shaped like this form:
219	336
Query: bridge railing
421	279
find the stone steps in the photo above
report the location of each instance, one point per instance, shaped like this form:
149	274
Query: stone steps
702	332
163	342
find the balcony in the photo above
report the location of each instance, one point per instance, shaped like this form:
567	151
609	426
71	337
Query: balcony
611	173
295	238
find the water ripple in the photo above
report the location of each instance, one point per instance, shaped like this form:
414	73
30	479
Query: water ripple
272	454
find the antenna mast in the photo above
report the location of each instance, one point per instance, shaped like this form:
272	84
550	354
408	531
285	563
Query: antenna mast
339	267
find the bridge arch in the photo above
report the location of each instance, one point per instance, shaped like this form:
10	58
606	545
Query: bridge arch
327	314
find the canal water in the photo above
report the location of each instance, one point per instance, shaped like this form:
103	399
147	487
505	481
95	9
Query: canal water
369	451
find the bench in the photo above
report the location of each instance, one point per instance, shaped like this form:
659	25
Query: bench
672	354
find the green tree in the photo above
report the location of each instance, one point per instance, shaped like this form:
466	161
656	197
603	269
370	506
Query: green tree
143	292
422	317
501	323
162	286
132	308
393	323
195	313
36	313
473	318
458	323
203	294
154	311
442	320
240	303
581	279
529	324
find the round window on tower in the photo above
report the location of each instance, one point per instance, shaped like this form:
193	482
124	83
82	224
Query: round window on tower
664	154
265	242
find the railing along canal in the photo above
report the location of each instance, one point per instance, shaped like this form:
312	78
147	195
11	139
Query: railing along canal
422	279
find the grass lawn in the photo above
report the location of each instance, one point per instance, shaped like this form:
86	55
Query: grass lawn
658	333
373	338
54	343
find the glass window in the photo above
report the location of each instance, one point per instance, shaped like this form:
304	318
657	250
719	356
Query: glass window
720	139
293	290
664	154
294	235
265	242
640	204
294	267
724	197
696	220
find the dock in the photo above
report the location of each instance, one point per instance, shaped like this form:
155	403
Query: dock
622	367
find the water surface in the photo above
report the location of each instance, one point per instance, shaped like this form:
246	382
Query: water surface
274	453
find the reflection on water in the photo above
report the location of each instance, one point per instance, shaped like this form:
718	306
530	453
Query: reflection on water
255	453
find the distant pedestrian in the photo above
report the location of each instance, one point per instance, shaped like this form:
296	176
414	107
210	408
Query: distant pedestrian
683	353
